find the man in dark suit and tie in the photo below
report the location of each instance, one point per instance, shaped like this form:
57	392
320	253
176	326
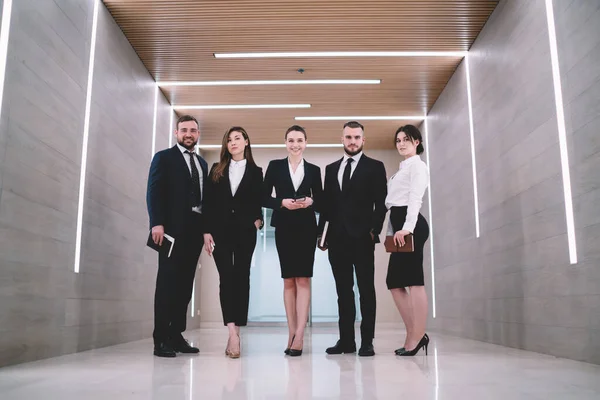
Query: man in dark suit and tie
174	199
355	191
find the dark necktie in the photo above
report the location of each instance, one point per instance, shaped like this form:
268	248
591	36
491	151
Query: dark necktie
347	171
195	193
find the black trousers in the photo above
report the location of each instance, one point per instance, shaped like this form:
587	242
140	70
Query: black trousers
233	256
174	283
347	253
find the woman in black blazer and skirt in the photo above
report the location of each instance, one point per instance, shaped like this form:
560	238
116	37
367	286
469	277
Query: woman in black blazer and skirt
233	213
298	190
405	270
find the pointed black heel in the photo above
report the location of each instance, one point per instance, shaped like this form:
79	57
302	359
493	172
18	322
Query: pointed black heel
424	342
294	352
287	351
403	349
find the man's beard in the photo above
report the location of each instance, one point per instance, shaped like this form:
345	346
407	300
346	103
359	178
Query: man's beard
353	153
182	143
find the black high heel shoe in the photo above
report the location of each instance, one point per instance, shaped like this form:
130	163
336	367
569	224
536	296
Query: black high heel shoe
287	351
403	349
424	342
294	352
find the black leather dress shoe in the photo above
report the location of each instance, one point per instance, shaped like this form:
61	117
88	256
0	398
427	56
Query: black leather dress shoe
340	348
366	350
182	346
164	350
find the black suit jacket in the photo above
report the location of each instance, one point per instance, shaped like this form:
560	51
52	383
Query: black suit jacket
168	194
359	208
278	177
222	209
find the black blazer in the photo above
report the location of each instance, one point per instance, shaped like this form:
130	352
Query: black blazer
168	194
359	208
222	209
278	177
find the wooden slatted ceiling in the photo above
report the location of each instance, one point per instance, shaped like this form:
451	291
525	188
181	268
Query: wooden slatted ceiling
176	40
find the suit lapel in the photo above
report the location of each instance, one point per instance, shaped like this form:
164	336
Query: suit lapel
245	179
335	172
181	162
288	176
306	180
358	171
227	182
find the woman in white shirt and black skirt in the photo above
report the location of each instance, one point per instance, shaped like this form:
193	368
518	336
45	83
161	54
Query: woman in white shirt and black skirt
405	278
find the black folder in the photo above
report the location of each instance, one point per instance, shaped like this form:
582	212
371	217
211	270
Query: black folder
166	247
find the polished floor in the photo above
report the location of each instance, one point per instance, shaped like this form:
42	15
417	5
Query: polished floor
455	369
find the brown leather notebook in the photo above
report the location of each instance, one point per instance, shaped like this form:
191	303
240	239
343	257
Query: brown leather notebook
390	246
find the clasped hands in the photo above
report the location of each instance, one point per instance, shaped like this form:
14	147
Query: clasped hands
292	204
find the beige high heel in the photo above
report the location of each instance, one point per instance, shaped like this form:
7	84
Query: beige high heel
233	354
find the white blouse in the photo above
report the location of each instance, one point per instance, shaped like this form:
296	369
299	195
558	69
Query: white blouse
298	176
236	173
406	188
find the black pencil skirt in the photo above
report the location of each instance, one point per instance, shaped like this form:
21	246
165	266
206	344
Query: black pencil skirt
406	269
296	245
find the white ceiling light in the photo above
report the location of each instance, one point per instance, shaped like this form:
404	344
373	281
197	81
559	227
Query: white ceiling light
280	82
273	146
364	118
239	106
344	54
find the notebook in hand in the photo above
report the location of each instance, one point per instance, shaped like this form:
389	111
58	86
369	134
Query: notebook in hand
166	247
324	235
391	247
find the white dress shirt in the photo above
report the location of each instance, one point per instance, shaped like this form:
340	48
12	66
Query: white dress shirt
186	157
236	173
406	188
298	176
352	166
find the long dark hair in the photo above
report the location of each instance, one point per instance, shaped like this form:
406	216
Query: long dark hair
225	158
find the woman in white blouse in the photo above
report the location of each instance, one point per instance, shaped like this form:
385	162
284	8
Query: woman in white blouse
405	270
298	190
232	214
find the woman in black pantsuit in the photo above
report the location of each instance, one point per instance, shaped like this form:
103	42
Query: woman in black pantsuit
298	190
233	213
405	270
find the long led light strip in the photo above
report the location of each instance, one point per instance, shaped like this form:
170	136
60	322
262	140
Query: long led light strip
4	33
193	306
274	146
274	82
428	144
473	161
171	133
344	54
239	106
86	131
562	134
154	120
363	118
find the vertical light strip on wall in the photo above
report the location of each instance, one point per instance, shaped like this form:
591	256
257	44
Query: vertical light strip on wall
86	131
427	143
473	162
154	119
562	134
437	374
171	128
4	32
191	379
193	304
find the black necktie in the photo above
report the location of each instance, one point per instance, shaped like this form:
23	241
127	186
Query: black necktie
347	171
195	193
